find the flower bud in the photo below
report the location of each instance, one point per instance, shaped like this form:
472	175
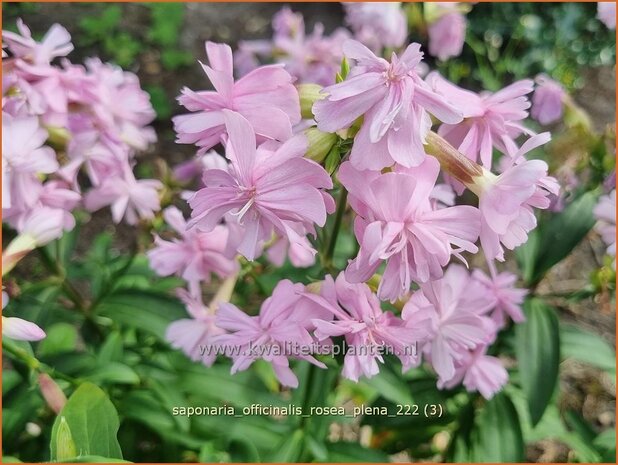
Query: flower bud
452	161
309	94
42	226
319	144
52	393
58	137
65	446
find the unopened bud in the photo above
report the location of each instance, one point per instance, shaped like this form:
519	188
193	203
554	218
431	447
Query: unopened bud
65	446
452	161
309	94
52	393
319	144
58	137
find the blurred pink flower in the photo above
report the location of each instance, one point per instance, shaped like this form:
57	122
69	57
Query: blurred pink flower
195	256
24	157
129	198
18	329
605	212
478	372
606	12
396	223
456	326
547	100
377	24
367	329
447	35
281	327
490	120
506	201
55	43
395	103
506	299
265	191
193	335
266	97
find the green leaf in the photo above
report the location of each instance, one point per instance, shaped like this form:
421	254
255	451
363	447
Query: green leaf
352	452
587	347
113	373
93	422
555	238
148	311
391	386
112	349
94	459
289	449
538	354
61	337
499	433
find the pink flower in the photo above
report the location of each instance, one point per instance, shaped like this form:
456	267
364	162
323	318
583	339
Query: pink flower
194	335
300	255
479	372
397	224
395	103
281	327
456	325
447	35
606	12
24	157
605	212
264	191
367	329
18	329
490	120
55	43
547	101
506	299
377	24
265	97
122	107
129	198
191	169
195	256
506	201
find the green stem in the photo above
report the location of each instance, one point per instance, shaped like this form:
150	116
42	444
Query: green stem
330	250
22	356
71	292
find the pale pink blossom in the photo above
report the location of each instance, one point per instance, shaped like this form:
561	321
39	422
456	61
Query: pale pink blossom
491	120
547	100
456	325
55	43
194	335
377	24
281	327
368	330
606	12
447	33
17	328
122	107
196	255
478	372
191	169
396	223
506	201
265	97
264	191
395	103
24	157
605	212
129	198
506	299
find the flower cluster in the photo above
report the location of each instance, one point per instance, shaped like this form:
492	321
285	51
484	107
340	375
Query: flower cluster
64	118
409	148
59	120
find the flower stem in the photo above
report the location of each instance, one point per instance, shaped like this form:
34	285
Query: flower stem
332	242
22	356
